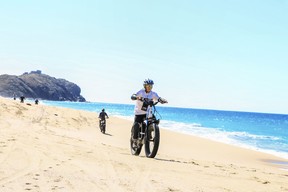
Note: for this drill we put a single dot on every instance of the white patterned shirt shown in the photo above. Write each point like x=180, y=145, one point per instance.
x=140, y=109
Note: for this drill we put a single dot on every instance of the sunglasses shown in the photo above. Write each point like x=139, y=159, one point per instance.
x=150, y=86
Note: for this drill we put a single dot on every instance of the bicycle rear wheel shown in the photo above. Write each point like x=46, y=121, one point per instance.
x=104, y=129
x=135, y=147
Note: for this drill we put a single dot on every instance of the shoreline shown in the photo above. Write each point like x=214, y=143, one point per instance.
x=46, y=148
x=243, y=146
x=281, y=155
x=226, y=140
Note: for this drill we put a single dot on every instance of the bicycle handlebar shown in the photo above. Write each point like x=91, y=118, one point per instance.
x=149, y=101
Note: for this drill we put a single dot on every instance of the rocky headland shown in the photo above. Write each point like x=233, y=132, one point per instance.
x=37, y=85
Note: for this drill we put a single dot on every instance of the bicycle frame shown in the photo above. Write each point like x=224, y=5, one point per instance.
x=150, y=117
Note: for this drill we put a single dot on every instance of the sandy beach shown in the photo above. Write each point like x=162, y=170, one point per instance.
x=44, y=148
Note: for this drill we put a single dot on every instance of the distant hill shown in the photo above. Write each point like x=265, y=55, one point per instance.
x=40, y=86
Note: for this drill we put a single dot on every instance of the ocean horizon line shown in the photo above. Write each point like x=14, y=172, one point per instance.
x=195, y=108
x=178, y=107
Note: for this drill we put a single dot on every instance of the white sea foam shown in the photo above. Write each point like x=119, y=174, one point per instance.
x=240, y=139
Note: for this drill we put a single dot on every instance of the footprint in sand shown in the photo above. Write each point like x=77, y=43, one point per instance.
x=36, y=176
x=55, y=188
x=28, y=184
x=57, y=180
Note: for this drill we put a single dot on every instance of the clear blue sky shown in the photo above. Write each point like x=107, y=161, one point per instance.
x=229, y=55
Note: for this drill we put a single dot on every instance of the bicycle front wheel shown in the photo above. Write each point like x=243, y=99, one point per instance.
x=152, y=140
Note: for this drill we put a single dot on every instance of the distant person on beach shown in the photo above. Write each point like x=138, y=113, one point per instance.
x=36, y=102
x=14, y=96
x=102, y=116
x=140, y=109
x=22, y=98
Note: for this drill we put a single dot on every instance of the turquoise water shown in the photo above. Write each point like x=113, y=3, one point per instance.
x=258, y=131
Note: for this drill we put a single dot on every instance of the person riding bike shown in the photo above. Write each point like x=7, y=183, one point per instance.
x=141, y=106
x=102, y=116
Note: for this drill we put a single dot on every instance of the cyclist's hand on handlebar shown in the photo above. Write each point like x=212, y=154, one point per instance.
x=162, y=100
x=134, y=97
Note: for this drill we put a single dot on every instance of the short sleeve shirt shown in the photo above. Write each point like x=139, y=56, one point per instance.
x=139, y=108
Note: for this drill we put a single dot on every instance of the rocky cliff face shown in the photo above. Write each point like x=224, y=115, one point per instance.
x=41, y=86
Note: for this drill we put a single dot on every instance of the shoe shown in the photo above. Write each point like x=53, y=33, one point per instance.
x=134, y=145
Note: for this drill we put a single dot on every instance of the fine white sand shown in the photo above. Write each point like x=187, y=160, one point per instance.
x=45, y=148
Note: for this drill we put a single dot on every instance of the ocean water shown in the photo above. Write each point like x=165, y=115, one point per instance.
x=257, y=131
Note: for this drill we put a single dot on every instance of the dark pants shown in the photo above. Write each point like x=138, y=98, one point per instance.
x=136, y=126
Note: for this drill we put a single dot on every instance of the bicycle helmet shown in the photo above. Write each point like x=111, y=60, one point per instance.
x=148, y=82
